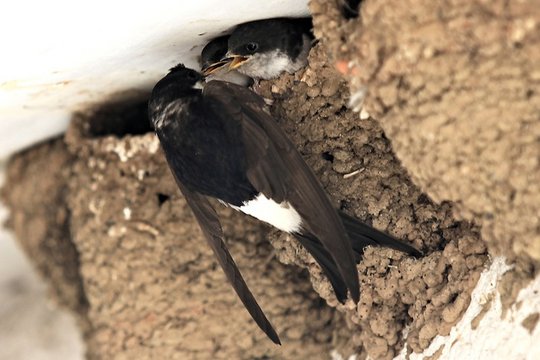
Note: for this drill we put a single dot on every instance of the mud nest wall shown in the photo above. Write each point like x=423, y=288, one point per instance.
x=154, y=289
x=356, y=164
x=443, y=162
x=454, y=85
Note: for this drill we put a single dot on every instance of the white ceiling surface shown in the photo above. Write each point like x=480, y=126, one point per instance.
x=59, y=56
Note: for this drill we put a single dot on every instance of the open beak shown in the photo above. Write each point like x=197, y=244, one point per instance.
x=237, y=60
x=215, y=66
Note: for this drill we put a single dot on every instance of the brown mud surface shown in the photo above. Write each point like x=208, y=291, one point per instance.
x=356, y=164
x=138, y=272
x=35, y=192
x=454, y=85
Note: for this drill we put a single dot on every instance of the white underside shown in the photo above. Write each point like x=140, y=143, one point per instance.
x=272, y=64
x=282, y=216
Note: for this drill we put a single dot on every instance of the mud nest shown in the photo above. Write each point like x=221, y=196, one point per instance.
x=439, y=157
x=454, y=85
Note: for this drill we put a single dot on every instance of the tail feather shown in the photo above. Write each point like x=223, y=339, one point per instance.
x=326, y=262
x=362, y=235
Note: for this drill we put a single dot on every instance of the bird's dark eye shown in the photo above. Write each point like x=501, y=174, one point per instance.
x=252, y=47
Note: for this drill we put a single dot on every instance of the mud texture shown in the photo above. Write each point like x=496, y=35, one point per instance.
x=356, y=164
x=155, y=290
x=35, y=192
x=454, y=86
x=530, y=322
x=154, y=287
x=449, y=153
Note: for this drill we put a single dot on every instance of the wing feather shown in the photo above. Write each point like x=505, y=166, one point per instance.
x=212, y=231
x=276, y=169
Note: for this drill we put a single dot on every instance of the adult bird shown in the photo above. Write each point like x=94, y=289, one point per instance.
x=221, y=142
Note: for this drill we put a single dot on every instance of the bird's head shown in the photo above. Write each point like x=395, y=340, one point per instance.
x=179, y=83
x=185, y=77
x=265, y=48
x=254, y=44
x=212, y=55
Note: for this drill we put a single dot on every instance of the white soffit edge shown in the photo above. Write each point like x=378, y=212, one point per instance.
x=59, y=56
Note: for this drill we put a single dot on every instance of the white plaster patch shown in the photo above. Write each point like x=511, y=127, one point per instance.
x=496, y=337
x=81, y=64
x=130, y=147
x=141, y=174
x=282, y=216
x=357, y=99
x=127, y=213
x=364, y=115
x=335, y=355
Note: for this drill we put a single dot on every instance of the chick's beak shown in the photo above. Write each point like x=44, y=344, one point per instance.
x=237, y=60
x=214, y=67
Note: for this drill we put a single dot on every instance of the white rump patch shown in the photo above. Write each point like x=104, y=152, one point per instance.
x=282, y=216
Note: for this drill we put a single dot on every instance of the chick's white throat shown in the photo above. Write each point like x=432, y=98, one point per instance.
x=271, y=64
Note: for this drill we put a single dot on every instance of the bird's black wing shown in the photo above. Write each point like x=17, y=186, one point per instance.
x=276, y=169
x=209, y=223
x=362, y=235
x=328, y=266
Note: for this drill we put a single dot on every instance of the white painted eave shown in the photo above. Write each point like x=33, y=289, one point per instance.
x=60, y=56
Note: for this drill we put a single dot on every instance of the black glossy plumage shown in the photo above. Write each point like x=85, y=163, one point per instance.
x=214, y=51
x=277, y=170
x=170, y=107
x=223, y=143
x=270, y=34
x=208, y=151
